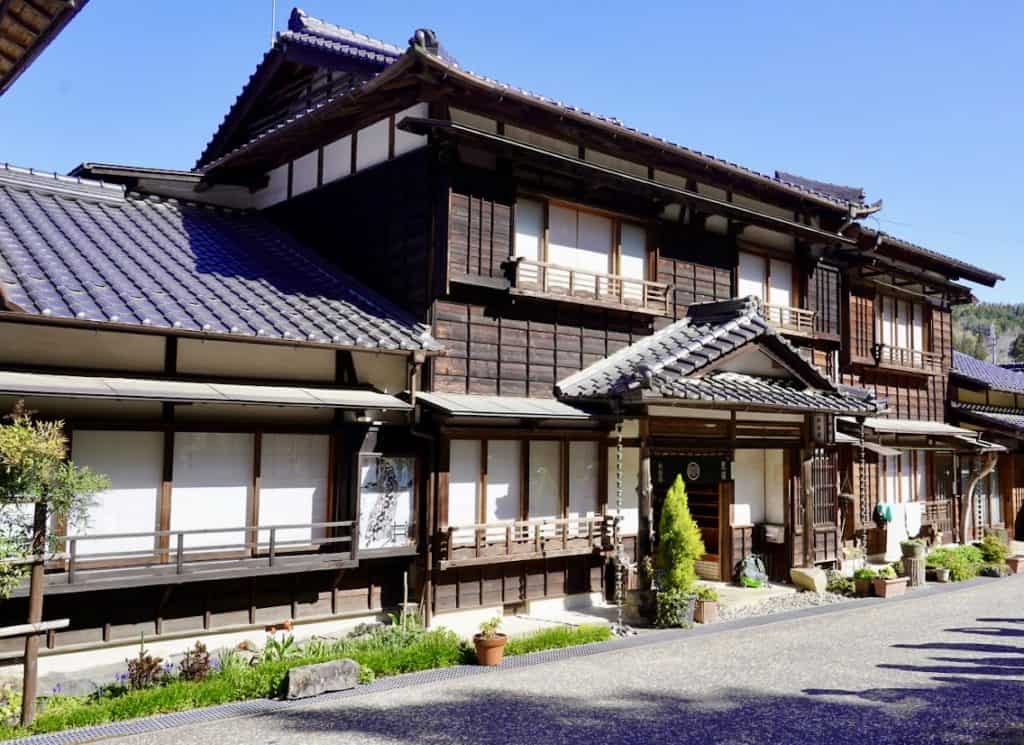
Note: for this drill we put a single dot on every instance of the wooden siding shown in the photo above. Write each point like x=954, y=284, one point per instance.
x=698, y=266
x=120, y=616
x=508, y=584
x=376, y=225
x=823, y=286
x=860, y=333
x=523, y=349
x=479, y=236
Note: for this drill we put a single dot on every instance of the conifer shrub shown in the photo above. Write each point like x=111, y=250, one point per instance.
x=680, y=546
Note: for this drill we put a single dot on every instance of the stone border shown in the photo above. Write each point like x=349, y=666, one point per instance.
x=256, y=707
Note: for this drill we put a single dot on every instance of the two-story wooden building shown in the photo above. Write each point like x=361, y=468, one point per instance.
x=605, y=310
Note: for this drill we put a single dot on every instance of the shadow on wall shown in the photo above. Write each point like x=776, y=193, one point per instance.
x=951, y=707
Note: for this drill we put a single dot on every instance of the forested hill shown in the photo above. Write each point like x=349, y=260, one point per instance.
x=974, y=325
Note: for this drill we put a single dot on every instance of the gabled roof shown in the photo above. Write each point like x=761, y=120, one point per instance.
x=312, y=43
x=84, y=250
x=986, y=374
x=328, y=36
x=679, y=362
x=26, y=29
x=852, y=194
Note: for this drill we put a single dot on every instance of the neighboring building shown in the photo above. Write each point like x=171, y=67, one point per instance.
x=608, y=308
x=990, y=399
x=26, y=28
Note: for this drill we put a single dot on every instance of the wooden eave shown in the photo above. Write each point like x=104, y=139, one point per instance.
x=496, y=100
x=23, y=37
x=592, y=172
x=394, y=89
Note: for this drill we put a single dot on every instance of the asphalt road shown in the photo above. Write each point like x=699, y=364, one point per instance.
x=942, y=669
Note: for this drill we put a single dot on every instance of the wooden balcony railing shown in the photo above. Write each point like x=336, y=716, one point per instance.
x=173, y=556
x=793, y=320
x=552, y=280
x=888, y=355
x=494, y=543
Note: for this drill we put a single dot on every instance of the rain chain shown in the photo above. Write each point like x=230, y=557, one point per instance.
x=620, y=554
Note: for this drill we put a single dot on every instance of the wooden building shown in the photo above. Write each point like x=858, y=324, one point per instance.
x=989, y=399
x=575, y=312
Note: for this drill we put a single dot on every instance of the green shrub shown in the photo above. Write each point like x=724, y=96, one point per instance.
x=746, y=581
x=680, y=545
x=557, y=638
x=886, y=572
x=993, y=550
x=865, y=573
x=839, y=584
x=704, y=592
x=963, y=562
x=675, y=609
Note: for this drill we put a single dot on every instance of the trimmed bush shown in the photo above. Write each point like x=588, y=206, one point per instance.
x=993, y=550
x=963, y=562
x=680, y=545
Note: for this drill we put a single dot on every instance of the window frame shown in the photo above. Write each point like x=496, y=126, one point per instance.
x=897, y=318
x=614, y=265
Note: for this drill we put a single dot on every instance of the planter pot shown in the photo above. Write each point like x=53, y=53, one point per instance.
x=889, y=588
x=1015, y=564
x=938, y=574
x=490, y=651
x=863, y=587
x=706, y=611
x=912, y=550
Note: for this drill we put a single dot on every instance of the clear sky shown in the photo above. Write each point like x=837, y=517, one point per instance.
x=919, y=102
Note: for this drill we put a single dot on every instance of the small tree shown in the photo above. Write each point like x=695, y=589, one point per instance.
x=680, y=544
x=35, y=473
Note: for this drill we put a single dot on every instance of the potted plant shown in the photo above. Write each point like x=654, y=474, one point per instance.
x=641, y=604
x=862, y=579
x=887, y=584
x=1015, y=564
x=679, y=548
x=490, y=645
x=707, y=605
x=913, y=548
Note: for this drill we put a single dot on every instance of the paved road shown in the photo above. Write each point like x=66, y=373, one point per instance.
x=948, y=668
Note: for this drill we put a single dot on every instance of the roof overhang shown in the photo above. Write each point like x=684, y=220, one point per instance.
x=459, y=133
x=26, y=29
x=652, y=399
x=502, y=407
x=44, y=385
x=913, y=434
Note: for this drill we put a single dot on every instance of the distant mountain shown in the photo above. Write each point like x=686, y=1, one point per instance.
x=975, y=327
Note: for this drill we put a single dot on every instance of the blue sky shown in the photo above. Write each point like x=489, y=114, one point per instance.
x=919, y=103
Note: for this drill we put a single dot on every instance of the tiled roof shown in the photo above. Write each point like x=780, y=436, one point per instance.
x=987, y=374
x=71, y=248
x=852, y=194
x=963, y=268
x=333, y=38
x=998, y=415
x=26, y=29
x=669, y=362
x=737, y=388
x=306, y=31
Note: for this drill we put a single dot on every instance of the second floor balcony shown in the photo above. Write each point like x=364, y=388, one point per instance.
x=590, y=288
x=788, y=320
x=905, y=358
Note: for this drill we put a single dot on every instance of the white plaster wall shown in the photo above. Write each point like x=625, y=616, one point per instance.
x=31, y=344
x=255, y=361
x=304, y=173
x=338, y=159
x=276, y=189
x=372, y=144
x=385, y=372
x=407, y=141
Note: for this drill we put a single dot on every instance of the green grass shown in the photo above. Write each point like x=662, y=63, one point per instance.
x=557, y=638
x=380, y=652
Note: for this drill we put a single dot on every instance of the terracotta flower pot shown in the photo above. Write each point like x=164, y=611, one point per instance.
x=863, y=587
x=490, y=651
x=706, y=611
x=889, y=588
x=1015, y=564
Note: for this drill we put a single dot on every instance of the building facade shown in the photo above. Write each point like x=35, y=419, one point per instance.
x=512, y=323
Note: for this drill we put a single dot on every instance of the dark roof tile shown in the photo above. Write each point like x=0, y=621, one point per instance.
x=993, y=376
x=76, y=249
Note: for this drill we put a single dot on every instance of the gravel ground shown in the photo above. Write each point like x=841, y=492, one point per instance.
x=771, y=605
x=941, y=667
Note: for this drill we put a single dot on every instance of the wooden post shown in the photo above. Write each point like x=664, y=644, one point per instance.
x=806, y=485
x=35, y=616
x=914, y=569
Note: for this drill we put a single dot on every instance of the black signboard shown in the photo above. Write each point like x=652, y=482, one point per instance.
x=699, y=470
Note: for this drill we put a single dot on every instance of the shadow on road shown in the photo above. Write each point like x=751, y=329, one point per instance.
x=954, y=706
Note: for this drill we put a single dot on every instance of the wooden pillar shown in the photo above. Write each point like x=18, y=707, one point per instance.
x=645, y=537
x=35, y=615
x=807, y=489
